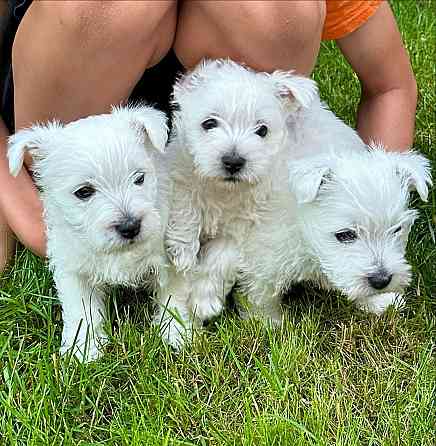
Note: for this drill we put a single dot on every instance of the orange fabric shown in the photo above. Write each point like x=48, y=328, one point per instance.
x=345, y=16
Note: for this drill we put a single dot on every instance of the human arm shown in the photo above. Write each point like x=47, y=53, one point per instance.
x=20, y=208
x=389, y=93
x=19, y=202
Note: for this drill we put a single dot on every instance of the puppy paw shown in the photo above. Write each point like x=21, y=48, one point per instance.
x=84, y=348
x=174, y=332
x=207, y=308
x=272, y=319
x=84, y=351
x=182, y=257
x=379, y=303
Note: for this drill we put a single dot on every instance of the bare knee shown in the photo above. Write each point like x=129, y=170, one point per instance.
x=99, y=49
x=285, y=22
x=110, y=25
x=264, y=34
x=303, y=24
x=292, y=31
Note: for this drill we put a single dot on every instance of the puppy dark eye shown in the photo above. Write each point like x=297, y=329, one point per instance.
x=209, y=124
x=139, y=179
x=85, y=192
x=262, y=131
x=397, y=230
x=346, y=236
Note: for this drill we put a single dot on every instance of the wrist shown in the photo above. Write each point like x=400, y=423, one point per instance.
x=388, y=117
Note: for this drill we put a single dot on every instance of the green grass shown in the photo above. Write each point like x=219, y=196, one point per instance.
x=331, y=376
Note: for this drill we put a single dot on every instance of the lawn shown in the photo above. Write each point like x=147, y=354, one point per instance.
x=331, y=376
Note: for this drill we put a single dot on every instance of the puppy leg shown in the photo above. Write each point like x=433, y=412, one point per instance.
x=182, y=238
x=379, y=303
x=172, y=313
x=262, y=301
x=83, y=312
x=213, y=278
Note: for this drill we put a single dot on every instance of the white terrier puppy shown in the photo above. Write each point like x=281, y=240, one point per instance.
x=344, y=225
x=103, y=190
x=229, y=139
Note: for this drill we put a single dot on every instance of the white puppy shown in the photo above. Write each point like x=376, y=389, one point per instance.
x=229, y=139
x=343, y=225
x=102, y=187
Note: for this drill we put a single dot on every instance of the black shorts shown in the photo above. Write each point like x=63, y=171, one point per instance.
x=154, y=87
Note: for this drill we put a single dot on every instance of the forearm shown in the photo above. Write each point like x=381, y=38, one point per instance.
x=389, y=117
x=19, y=202
x=377, y=54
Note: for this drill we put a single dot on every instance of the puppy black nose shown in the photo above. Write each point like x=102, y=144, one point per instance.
x=380, y=280
x=129, y=228
x=233, y=163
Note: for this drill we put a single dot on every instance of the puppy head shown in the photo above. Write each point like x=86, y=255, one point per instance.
x=355, y=216
x=97, y=174
x=232, y=119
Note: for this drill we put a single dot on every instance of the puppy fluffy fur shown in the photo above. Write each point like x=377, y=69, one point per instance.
x=230, y=134
x=103, y=188
x=343, y=224
x=279, y=219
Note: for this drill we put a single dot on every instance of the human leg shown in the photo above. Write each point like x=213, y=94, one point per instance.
x=85, y=56
x=266, y=35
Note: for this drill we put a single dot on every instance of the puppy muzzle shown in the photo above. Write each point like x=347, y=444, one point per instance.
x=129, y=228
x=233, y=163
x=380, y=279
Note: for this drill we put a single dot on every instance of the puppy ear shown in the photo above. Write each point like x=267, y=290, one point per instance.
x=296, y=91
x=306, y=178
x=191, y=80
x=146, y=119
x=35, y=140
x=413, y=168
